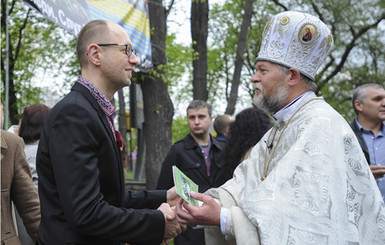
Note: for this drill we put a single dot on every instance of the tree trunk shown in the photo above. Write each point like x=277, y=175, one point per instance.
x=158, y=108
x=12, y=54
x=248, y=9
x=199, y=29
x=123, y=127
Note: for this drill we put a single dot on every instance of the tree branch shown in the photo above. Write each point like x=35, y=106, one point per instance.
x=18, y=46
x=349, y=48
x=316, y=9
x=281, y=5
x=169, y=7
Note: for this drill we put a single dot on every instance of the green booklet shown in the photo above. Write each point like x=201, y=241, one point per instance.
x=184, y=185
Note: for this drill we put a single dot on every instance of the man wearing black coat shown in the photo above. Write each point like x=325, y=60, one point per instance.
x=81, y=181
x=199, y=156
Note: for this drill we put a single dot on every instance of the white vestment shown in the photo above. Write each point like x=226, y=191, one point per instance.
x=318, y=190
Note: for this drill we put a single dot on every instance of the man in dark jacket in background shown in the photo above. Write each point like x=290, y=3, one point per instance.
x=199, y=156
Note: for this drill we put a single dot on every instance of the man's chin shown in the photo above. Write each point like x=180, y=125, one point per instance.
x=127, y=83
x=197, y=134
x=258, y=102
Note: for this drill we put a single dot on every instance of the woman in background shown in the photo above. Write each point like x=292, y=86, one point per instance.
x=245, y=132
x=31, y=124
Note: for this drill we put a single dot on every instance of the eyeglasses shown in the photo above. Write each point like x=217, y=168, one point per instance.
x=129, y=50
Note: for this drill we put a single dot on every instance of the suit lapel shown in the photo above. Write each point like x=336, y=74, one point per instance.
x=87, y=94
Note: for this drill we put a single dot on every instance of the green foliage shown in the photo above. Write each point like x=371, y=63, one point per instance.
x=129, y=175
x=43, y=48
x=339, y=93
x=179, y=128
x=46, y=49
x=178, y=69
x=224, y=26
x=365, y=60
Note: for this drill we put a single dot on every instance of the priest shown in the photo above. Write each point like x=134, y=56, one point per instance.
x=307, y=180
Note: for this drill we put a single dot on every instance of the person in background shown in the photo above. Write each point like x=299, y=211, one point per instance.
x=222, y=126
x=79, y=163
x=199, y=156
x=16, y=187
x=134, y=153
x=369, y=105
x=29, y=129
x=306, y=181
x=245, y=132
x=31, y=124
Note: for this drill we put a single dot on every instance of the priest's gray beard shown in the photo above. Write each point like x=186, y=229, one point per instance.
x=272, y=103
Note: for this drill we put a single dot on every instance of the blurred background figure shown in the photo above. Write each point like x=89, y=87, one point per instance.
x=31, y=124
x=134, y=153
x=245, y=132
x=16, y=188
x=29, y=128
x=222, y=125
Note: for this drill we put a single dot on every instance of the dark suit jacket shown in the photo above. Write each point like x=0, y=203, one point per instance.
x=361, y=140
x=81, y=181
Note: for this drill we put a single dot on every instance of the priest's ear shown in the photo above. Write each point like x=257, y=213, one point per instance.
x=295, y=76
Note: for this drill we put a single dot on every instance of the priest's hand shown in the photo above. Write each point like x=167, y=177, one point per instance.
x=378, y=171
x=207, y=214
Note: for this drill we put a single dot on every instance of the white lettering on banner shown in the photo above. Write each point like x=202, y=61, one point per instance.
x=67, y=22
x=46, y=9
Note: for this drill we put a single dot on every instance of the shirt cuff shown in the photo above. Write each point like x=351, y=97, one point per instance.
x=223, y=218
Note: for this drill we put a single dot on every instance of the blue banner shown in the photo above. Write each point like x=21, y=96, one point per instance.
x=132, y=15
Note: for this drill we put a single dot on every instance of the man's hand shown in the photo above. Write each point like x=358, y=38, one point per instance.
x=208, y=214
x=172, y=196
x=172, y=227
x=378, y=171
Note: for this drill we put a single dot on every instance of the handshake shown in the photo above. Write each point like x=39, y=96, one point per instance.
x=178, y=213
x=172, y=227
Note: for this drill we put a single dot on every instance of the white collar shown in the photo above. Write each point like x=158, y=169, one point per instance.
x=285, y=113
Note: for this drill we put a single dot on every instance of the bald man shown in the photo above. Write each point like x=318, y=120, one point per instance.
x=81, y=181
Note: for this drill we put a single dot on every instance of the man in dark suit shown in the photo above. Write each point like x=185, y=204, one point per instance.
x=81, y=181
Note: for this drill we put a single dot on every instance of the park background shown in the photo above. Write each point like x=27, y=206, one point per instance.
x=200, y=50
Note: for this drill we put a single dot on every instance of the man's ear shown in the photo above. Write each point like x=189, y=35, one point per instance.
x=295, y=76
x=358, y=105
x=227, y=130
x=93, y=53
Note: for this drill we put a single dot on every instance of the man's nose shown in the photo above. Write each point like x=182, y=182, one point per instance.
x=133, y=59
x=254, y=78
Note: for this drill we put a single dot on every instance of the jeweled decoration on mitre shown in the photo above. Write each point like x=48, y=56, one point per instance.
x=298, y=40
